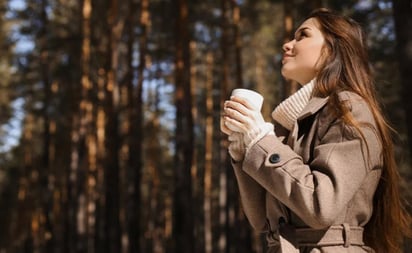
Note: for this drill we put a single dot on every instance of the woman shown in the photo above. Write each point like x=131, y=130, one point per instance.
x=325, y=180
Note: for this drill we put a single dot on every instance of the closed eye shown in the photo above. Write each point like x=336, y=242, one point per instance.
x=301, y=33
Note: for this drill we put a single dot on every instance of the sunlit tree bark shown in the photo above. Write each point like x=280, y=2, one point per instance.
x=83, y=139
x=225, y=47
x=207, y=178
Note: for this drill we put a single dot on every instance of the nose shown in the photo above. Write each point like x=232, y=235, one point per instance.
x=288, y=45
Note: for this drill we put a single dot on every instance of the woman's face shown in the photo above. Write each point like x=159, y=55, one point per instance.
x=302, y=55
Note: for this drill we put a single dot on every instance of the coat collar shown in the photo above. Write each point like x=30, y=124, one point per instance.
x=313, y=106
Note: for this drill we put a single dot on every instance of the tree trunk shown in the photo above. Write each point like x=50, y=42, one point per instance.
x=83, y=138
x=22, y=227
x=207, y=203
x=239, y=233
x=69, y=207
x=135, y=161
x=238, y=42
x=183, y=215
x=46, y=195
x=289, y=86
x=402, y=11
x=224, y=88
x=116, y=24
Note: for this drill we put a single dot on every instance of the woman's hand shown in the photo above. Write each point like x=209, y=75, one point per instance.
x=236, y=147
x=223, y=126
x=242, y=118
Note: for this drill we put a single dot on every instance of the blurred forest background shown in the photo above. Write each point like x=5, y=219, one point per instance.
x=109, y=138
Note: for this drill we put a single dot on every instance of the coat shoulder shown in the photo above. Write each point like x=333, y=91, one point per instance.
x=358, y=108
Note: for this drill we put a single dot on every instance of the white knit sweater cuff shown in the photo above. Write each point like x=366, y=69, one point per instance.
x=266, y=129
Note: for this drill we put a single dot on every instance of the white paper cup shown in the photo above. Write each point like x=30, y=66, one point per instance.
x=254, y=98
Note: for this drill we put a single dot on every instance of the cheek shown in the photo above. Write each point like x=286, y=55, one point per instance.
x=323, y=55
x=307, y=61
x=313, y=58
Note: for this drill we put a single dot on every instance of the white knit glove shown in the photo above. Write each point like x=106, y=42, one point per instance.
x=236, y=147
x=242, y=118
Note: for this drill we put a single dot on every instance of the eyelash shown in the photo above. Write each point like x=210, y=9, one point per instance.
x=301, y=35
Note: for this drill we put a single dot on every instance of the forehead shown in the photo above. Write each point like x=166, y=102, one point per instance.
x=310, y=23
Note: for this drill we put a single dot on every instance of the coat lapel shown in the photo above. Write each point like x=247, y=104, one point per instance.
x=313, y=106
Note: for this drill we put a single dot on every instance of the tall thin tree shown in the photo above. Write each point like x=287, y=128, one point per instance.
x=45, y=172
x=289, y=86
x=136, y=119
x=183, y=213
x=402, y=11
x=83, y=163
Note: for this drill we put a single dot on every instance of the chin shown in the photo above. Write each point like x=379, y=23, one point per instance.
x=286, y=74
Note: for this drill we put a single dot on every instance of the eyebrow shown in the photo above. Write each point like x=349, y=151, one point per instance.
x=302, y=29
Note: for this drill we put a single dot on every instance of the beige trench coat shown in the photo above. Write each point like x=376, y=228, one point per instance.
x=320, y=176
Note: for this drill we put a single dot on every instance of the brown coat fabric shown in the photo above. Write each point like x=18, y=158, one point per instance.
x=320, y=174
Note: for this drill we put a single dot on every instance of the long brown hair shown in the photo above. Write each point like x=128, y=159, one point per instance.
x=347, y=67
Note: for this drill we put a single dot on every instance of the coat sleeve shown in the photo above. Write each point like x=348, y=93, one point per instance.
x=318, y=191
x=252, y=196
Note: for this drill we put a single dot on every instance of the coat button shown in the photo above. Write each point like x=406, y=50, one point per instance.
x=274, y=158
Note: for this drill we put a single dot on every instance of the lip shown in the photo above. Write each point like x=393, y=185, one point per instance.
x=286, y=56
